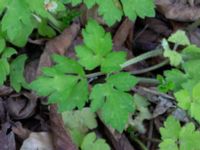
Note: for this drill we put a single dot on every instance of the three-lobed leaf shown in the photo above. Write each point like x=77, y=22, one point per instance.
x=172, y=133
x=97, y=50
x=112, y=98
x=64, y=83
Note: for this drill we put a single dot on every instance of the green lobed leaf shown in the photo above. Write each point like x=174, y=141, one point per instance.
x=113, y=61
x=113, y=10
x=191, y=52
x=189, y=137
x=110, y=11
x=64, y=83
x=176, y=77
x=110, y=98
x=96, y=50
x=191, y=67
x=17, y=79
x=141, y=8
x=174, y=57
x=91, y=142
x=168, y=144
x=171, y=129
x=123, y=81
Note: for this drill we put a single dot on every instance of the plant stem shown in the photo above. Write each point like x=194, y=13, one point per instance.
x=142, y=57
x=140, y=143
x=163, y=63
x=96, y=74
x=193, y=26
x=148, y=80
x=58, y=25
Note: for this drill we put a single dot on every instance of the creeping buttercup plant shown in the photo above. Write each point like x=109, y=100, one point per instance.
x=68, y=83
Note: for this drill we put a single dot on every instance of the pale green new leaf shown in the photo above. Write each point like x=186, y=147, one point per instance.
x=174, y=57
x=64, y=83
x=91, y=142
x=78, y=122
x=141, y=8
x=179, y=37
x=17, y=79
x=81, y=120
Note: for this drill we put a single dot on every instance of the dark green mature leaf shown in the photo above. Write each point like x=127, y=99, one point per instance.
x=64, y=83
